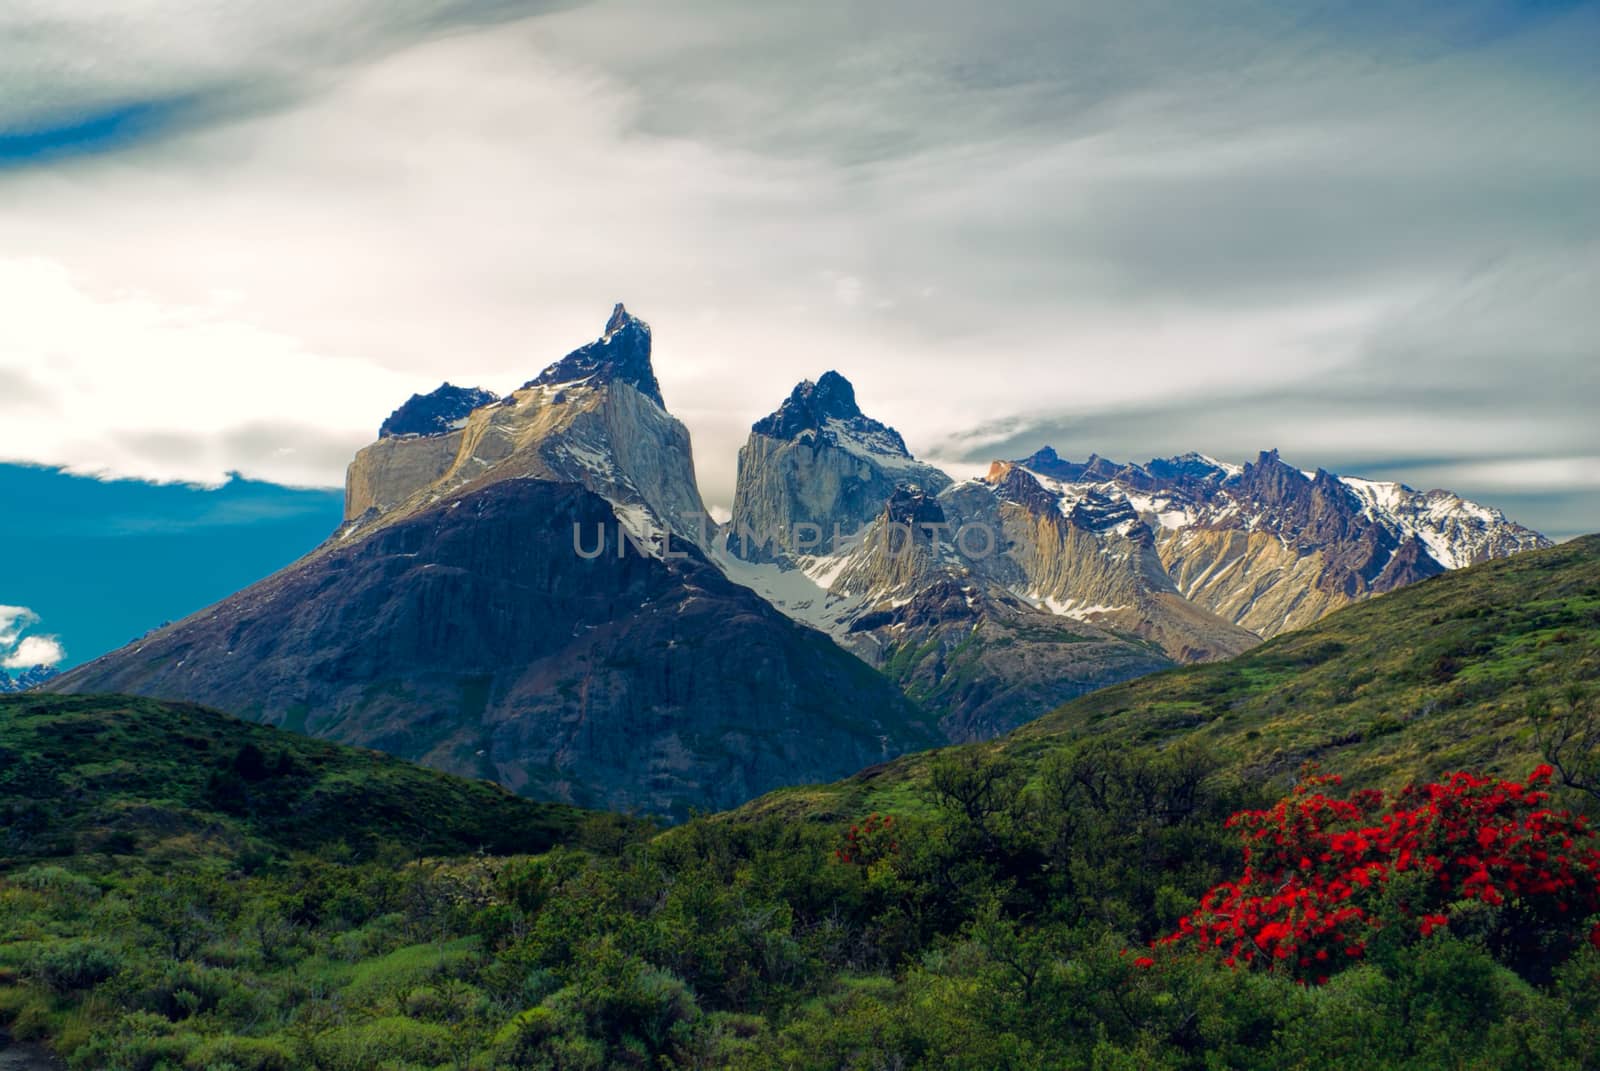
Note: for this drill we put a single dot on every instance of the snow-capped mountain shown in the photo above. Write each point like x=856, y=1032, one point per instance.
x=480, y=607
x=32, y=677
x=1270, y=547
x=1087, y=554
x=1190, y=557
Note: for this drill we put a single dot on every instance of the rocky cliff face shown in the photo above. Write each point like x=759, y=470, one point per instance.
x=817, y=470
x=594, y=418
x=1092, y=558
x=1271, y=548
x=506, y=605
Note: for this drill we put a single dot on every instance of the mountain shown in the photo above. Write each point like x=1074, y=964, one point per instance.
x=1441, y=675
x=837, y=524
x=524, y=598
x=1271, y=548
x=28, y=678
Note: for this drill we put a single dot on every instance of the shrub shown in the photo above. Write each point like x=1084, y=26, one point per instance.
x=57, y=882
x=74, y=965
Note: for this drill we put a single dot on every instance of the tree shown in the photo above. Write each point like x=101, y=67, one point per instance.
x=1568, y=734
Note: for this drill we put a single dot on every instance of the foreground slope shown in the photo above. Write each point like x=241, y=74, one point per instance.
x=122, y=776
x=1438, y=676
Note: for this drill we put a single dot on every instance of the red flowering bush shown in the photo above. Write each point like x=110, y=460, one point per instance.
x=868, y=842
x=1317, y=869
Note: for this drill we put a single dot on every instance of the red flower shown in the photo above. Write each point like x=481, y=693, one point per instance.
x=1316, y=865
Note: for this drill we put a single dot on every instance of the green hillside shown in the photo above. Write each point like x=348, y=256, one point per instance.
x=114, y=775
x=1437, y=676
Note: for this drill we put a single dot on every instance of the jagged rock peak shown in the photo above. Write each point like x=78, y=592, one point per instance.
x=1270, y=477
x=435, y=413
x=621, y=355
x=821, y=405
x=1046, y=462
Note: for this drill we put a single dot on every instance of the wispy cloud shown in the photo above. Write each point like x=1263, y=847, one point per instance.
x=18, y=651
x=1135, y=228
x=13, y=619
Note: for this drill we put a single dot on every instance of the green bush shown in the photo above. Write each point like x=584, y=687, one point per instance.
x=73, y=965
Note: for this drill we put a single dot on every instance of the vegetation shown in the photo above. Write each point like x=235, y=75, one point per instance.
x=181, y=890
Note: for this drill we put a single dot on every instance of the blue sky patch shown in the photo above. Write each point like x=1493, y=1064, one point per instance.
x=105, y=130
x=101, y=562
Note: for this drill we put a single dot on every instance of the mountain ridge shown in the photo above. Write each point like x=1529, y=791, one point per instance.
x=526, y=588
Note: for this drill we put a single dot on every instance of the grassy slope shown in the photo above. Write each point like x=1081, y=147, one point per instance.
x=1434, y=677
x=120, y=775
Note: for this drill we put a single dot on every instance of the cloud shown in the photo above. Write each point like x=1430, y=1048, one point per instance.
x=97, y=75
x=34, y=651
x=24, y=652
x=13, y=620
x=1135, y=229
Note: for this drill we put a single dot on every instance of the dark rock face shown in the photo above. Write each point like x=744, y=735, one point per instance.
x=1015, y=485
x=435, y=413
x=1187, y=469
x=622, y=354
x=811, y=406
x=1096, y=512
x=914, y=508
x=475, y=638
x=1047, y=462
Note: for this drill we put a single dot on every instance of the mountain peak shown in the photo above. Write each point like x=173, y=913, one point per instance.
x=812, y=406
x=621, y=320
x=621, y=354
x=834, y=396
x=437, y=412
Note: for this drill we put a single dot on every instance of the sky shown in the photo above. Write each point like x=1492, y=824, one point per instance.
x=235, y=235
x=93, y=564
